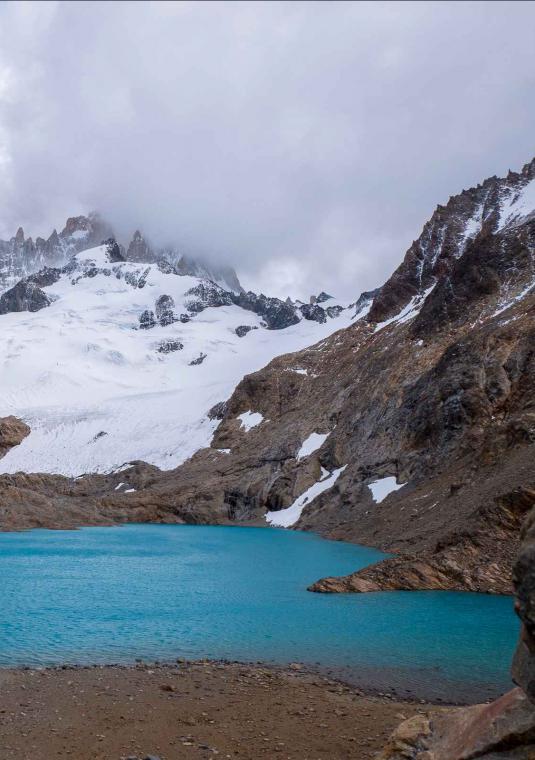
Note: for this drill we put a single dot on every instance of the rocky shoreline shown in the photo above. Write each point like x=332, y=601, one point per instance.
x=192, y=709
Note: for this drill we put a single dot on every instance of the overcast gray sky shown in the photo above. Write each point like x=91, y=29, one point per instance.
x=304, y=143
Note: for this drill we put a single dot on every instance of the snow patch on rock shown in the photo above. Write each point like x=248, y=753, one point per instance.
x=311, y=444
x=408, y=312
x=381, y=488
x=250, y=420
x=517, y=205
x=285, y=518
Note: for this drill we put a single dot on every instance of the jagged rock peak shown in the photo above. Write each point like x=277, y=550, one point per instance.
x=494, y=205
x=76, y=224
x=20, y=257
x=138, y=250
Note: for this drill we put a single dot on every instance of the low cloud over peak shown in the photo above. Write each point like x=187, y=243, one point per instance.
x=305, y=144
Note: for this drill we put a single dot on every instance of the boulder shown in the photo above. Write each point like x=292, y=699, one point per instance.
x=12, y=432
x=501, y=730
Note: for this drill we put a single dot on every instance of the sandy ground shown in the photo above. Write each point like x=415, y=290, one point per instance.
x=190, y=710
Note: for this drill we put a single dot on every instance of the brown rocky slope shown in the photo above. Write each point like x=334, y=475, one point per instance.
x=442, y=398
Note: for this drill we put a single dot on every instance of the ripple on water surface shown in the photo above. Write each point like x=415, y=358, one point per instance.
x=166, y=591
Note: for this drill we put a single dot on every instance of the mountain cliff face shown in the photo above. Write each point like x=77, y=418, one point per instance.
x=495, y=205
x=406, y=422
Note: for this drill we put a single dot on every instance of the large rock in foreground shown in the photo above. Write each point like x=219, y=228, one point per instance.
x=502, y=730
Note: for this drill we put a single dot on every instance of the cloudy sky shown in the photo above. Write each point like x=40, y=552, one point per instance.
x=304, y=143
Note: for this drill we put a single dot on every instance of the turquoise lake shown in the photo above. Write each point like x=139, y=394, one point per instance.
x=160, y=592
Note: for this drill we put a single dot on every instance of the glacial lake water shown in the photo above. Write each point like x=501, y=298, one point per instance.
x=160, y=592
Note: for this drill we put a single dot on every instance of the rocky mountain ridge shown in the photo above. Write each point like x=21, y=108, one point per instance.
x=496, y=204
x=21, y=257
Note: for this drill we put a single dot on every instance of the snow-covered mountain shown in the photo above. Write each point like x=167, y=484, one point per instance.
x=20, y=256
x=109, y=360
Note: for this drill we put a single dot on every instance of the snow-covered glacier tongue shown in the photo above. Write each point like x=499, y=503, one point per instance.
x=109, y=360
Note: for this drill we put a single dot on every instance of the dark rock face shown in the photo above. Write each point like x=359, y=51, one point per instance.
x=147, y=320
x=24, y=296
x=12, y=432
x=364, y=300
x=137, y=279
x=242, y=330
x=524, y=582
x=165, y=267
x=313, y=312
x=46, y=277
x=169, y=346
x=444, y=240
x=165, y=310
x=218, y=411
x=207, y=294
x=333, y=311
x=115, y=254
x=276, y=314
x=489, y=263
x=198, y=360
